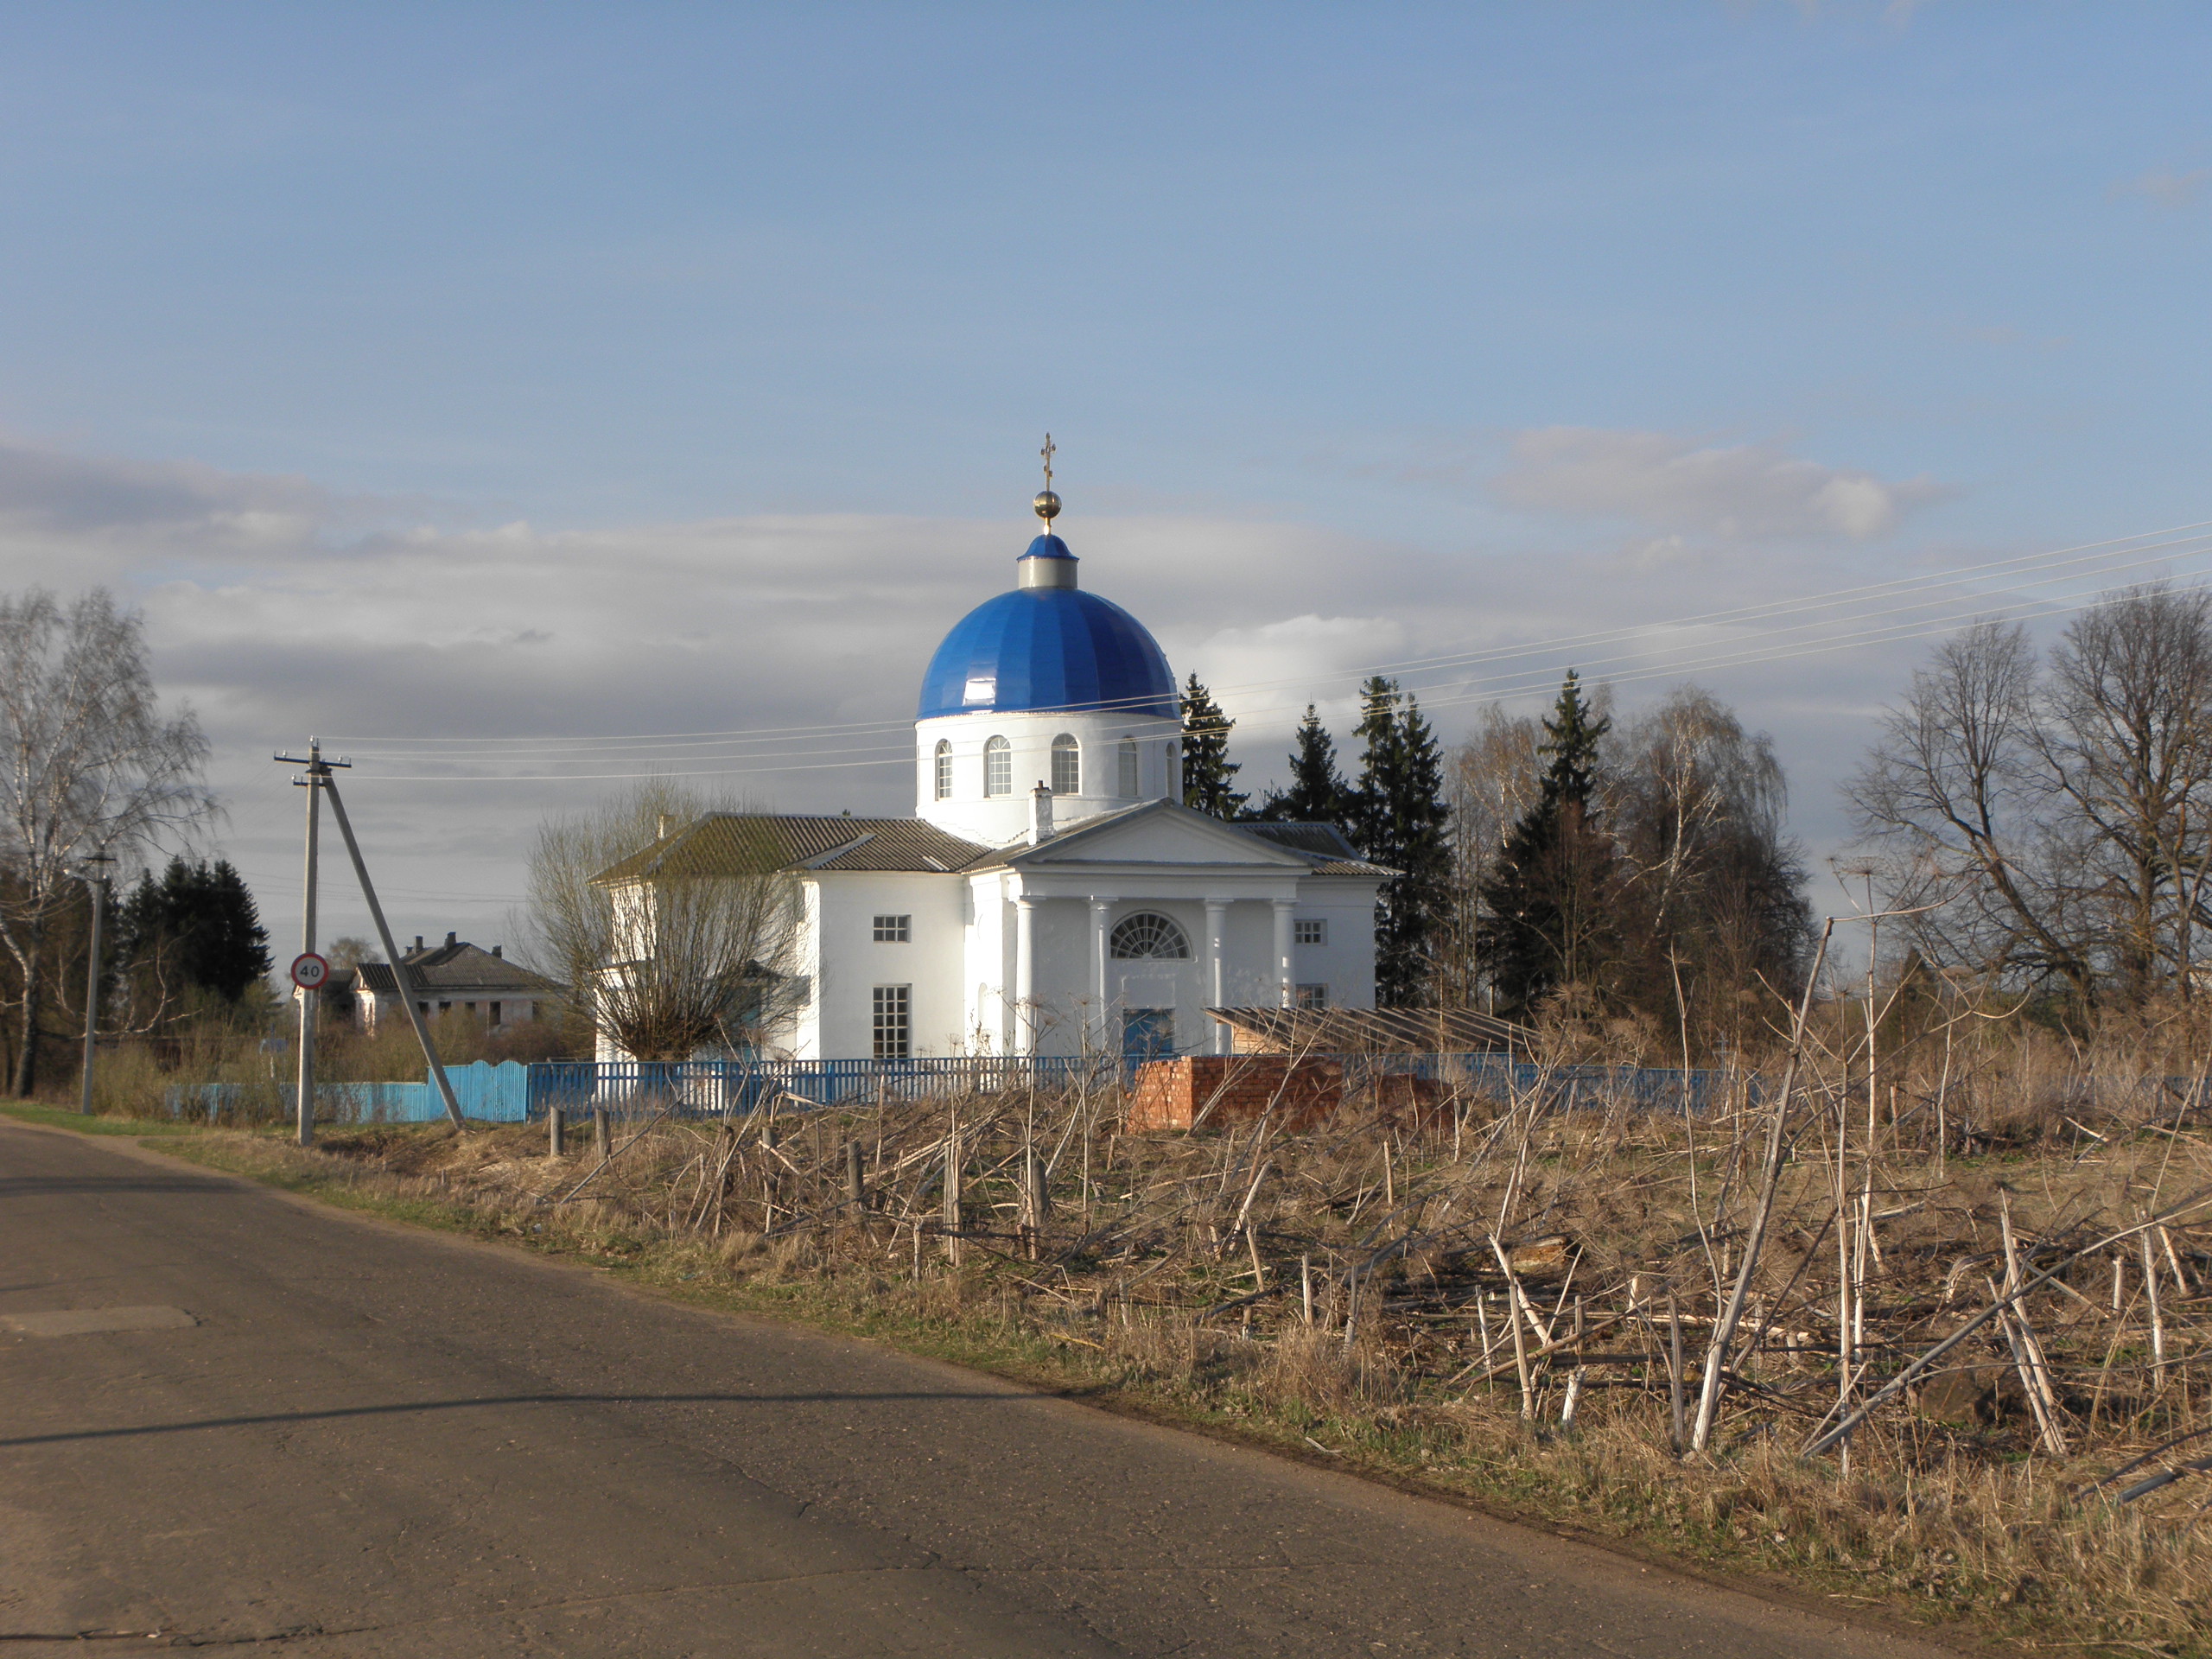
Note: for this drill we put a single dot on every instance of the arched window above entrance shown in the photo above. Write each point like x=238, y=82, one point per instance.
x=1067, y=765
x=1148, y=936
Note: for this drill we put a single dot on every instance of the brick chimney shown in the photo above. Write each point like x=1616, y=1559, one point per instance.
x=1040, y=815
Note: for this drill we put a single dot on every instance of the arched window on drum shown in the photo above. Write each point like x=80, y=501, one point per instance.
x=1067, y=765
x=943, y=762
x=998, y=767
x=1131, y=787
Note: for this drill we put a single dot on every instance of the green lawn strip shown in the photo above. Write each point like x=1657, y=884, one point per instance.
x=1659, y=1528
x=67, y=1117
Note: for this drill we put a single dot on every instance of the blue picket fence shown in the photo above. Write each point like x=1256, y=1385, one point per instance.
x=724, y=1088
x=492, y=1094
x=514, y=1093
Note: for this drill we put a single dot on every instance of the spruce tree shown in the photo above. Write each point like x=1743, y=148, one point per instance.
x=1209, y=775
x=1317, y=792
x=1365, y=818
x=1547, y=905
x=1397, y=819
x=201, y=920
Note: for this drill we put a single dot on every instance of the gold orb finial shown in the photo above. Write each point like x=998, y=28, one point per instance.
x=1047, y=504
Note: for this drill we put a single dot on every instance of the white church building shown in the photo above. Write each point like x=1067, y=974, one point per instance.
x=1050, y=894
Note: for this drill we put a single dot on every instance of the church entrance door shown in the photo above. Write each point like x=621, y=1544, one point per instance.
x=1148, y=1033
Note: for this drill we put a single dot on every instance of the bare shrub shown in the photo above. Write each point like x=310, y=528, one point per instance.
x=1359, y=1282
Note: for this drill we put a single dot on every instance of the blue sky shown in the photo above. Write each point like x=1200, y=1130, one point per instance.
x=499, y=371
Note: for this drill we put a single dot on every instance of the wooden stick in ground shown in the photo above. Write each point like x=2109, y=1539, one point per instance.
x=1574, y=1377
x=1535, y=1356
x=2181, y=1279
x=1919, y=1367
x=1724, y=1329
x=1675, y=1370
x=2158, y=1315
x=952, y=1195
x=2039, y=1368
x=2046, y=1422
x=1519, y=1341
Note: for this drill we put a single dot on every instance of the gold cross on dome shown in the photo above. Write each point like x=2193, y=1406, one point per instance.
x=1048, y=453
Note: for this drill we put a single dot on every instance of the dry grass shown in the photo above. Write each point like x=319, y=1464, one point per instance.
x=1178, y=1269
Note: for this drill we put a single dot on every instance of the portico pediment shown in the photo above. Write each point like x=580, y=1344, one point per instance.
x=1161, y=832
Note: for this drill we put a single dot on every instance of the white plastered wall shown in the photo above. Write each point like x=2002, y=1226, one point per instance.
x=1346, y=962
x=849, y=962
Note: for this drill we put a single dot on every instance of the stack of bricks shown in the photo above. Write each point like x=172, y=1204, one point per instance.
x=1224, y=1090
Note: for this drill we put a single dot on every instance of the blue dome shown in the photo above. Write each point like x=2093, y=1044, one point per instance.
x=1049, y=648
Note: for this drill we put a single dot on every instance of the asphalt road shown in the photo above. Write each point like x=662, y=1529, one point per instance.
x=369, y=1439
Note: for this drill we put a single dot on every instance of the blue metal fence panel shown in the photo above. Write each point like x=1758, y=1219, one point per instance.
x=720, y=1087
x=488, y=1093
x=513, y=1093
x=723, y=1087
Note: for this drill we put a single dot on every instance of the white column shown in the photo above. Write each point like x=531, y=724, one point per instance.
x=1283, y=907
x=1025, y=974
x=1217, y=909
x=1102, y=1025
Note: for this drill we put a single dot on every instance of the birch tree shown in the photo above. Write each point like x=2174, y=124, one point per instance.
x=91, y=766
x=673, y=921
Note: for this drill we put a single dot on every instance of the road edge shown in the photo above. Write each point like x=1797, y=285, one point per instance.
x=1110, y=1402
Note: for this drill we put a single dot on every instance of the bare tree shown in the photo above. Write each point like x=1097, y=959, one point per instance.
x=91, y=766
x=2125, y=737
x=673, y=919
x=1953, y=796
x=2065, y=813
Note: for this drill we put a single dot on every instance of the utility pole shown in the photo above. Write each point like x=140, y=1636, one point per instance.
x=96, y=885
x=307, y=984
x=391, y=950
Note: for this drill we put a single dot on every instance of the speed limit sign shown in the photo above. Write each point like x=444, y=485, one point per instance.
x=309, y=971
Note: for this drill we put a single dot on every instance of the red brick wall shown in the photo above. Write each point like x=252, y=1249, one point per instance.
x=1233, y=1088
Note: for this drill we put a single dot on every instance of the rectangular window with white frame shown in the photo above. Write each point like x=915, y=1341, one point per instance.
x=1309, y=932
x=1313, y=996
x=894, y=930
x=894, y=1028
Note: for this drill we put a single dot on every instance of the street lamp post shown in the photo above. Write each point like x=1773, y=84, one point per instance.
x=96, y=885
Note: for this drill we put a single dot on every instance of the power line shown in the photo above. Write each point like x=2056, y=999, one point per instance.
x=2094, y=553
x=1745, y=650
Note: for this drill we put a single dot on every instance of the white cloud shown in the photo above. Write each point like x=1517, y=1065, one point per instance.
x=2166, y=188
x=1676, y=485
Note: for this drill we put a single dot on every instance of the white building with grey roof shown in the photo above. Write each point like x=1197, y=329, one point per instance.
x=455, y=975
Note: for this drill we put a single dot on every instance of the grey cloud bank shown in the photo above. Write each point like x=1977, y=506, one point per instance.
x=536, y=647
